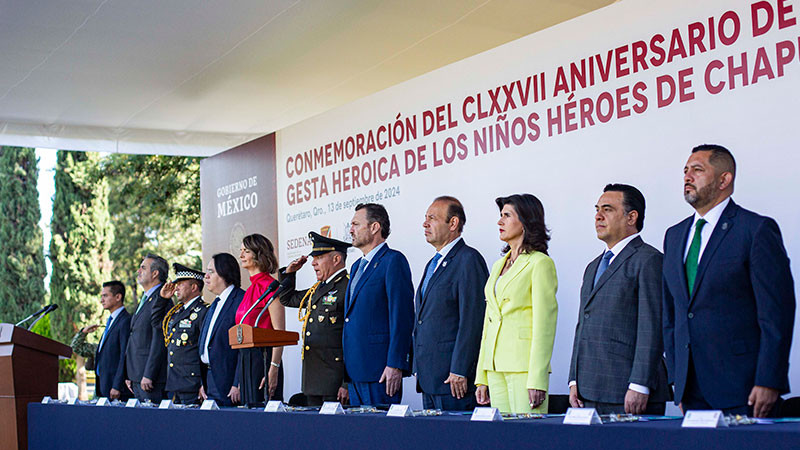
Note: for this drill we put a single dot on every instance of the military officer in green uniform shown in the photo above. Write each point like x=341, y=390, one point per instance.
x=321, y=310
x=181, y=327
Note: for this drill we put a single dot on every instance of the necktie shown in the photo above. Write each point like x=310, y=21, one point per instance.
x=361, y=265
x=429, y=271
x=603, y=266
x=206, y=331
x=693, y=255
x=105, y=333
x=141, y=303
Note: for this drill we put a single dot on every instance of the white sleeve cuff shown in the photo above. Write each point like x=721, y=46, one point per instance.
x=639, y=388
x=573, y=383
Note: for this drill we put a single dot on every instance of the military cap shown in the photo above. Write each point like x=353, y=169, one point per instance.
x=184, y=273
x=324, y=244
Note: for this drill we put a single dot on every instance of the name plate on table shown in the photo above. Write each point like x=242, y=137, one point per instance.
x=132, y=403
x=704, y=419
x=275, y=406
x=331, y=408
x=47, y=399
x=102, y=401
x=399, y=411
x=483, y=414
x=165, y=404
x=209, y=405
x=582, y=416
x=73, y=401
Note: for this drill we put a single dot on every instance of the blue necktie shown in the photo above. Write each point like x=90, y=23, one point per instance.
x=206, y=325
x=361, y=265
x=105, y=333
x=603, y=266
x=429, y=272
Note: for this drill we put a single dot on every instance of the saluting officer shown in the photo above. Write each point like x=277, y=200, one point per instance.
x=321, y=310
x=182, y=326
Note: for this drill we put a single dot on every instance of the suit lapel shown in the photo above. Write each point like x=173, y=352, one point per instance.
x=720, y=231
x=517, y=268
x=627, y=252
x=440, y=270
x=588, y=280
x=677, y=256
x=371, y=267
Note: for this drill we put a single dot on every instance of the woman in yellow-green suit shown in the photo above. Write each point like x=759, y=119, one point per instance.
x=520, y=322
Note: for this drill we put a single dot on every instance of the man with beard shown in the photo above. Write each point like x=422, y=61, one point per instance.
x=728, y=297
x=145, y=356
x=379, y=313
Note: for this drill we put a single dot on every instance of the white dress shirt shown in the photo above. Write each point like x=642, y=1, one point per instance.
x=223, y=296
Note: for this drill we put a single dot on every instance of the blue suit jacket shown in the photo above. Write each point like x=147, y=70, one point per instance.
x=223, y=360
x=447, y=334
x=110, y=360
x=737, y=326
x=379, y=318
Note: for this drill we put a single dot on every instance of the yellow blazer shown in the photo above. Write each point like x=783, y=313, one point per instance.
x=519, y=326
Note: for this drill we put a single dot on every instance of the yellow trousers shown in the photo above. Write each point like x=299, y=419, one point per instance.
x=509, y=393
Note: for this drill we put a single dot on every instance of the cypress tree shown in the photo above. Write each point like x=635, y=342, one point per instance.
x=22, y=268
x=81, y=238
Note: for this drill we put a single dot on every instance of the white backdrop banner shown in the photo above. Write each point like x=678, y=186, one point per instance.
x=619, y=95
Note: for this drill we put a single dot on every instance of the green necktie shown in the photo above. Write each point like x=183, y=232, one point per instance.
x=692, y=257
x=141, y=303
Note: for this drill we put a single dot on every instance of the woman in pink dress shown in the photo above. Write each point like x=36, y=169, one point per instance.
x=257, y=256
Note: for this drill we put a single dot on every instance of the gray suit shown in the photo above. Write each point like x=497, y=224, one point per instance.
x=618, y=338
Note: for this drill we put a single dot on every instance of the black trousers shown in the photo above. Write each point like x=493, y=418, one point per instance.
x=252, y=364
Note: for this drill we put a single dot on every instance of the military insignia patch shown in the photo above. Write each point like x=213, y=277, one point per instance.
x=329, y=299
x=332, y=319
x=185, y=323
x=184, y=336
x=193, y=316
x=321, y=318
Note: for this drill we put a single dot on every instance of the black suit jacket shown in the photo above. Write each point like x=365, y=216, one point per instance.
x=447, y=332
x=618, y=337
x=737, y=326
x=223, y=360
x=146, y=355
x=110, y=359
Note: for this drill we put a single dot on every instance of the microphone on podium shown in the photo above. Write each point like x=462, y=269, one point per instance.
x=270, y=289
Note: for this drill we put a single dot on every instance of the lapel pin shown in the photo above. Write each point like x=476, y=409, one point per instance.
x=725, y=226
x=444, y=264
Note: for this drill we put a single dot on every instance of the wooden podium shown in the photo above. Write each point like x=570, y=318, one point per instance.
x=245, y=336
x=28, y=372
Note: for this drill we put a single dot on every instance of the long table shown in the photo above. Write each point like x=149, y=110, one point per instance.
x=58, y=426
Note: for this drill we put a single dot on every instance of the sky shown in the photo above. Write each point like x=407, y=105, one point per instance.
x=47, y=189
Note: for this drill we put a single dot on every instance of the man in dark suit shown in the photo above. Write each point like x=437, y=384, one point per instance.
x=220, y=361
x=146, y=355
x=617, y=361
x=729, y=299
x=450, y=307
x=321, y=310
x=109, y=354
x=379, y=313
x=182, y=326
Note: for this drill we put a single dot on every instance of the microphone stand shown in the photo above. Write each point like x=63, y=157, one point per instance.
x=36, y=314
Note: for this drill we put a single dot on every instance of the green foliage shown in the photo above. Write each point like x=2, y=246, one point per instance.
x=81, y=238
x=66, y=370
x=155, y=208
x=22, y=268
x=42, y=327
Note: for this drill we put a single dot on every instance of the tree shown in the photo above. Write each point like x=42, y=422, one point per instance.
x=155, y=208
x=81, y=238
x=22, y=268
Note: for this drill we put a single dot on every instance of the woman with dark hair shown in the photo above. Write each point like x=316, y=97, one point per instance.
x=519, y=326
x=257, y=256
x=220, y=361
